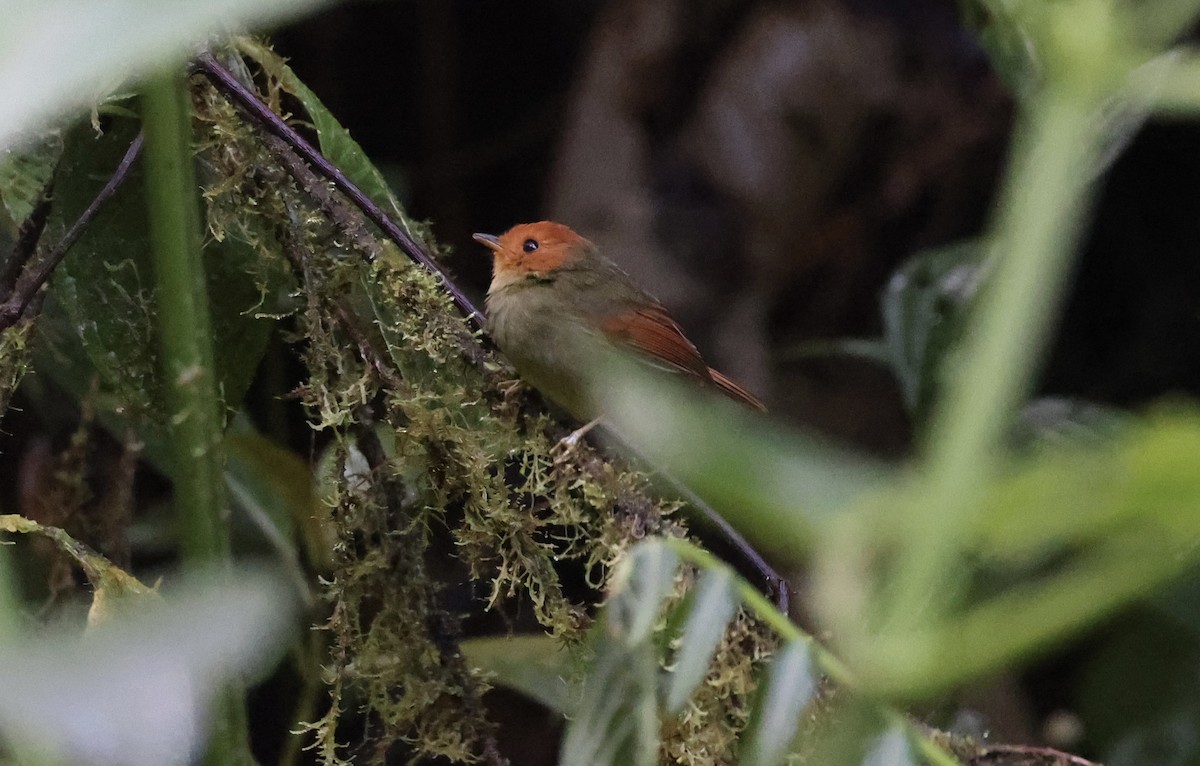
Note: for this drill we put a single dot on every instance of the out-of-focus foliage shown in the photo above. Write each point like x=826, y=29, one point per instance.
x=61, y=54
x=137, y=688
x=970, y=559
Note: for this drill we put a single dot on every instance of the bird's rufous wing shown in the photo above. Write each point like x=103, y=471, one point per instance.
x=653, y=333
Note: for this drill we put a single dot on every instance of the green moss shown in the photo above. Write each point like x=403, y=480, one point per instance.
x=14, y=359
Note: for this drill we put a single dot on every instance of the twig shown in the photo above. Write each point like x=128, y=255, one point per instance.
x=1002, y=754
x=226, y=82
x=31, y=280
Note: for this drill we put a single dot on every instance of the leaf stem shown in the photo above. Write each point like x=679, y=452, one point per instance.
x=1042, y=209
x=186, y=356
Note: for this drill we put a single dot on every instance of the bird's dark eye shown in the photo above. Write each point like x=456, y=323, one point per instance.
x=530, y=245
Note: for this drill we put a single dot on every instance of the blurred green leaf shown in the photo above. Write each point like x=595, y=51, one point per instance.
x=616, y=722
x=137, y=691
x=646, y=576
x=537, y=666
x=1133, y=484
x=24, y=172
x=1066, y=538
x=776, y=486
x=711, y=606
x=892, y=747
x=61, y=55
x=864, y=735
x=789, y=686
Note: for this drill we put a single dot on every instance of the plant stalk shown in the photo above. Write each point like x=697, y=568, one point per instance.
x=1043, y=206
x=186, y=358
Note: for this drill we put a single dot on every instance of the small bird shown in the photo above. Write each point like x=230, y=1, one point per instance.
x=556, y=304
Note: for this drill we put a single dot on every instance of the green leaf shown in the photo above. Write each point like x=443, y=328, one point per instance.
x=62, y=55
x=274, y=490
x=709, y=609
x=24, y=172
x=924, y=306
x=537, y=666
x=616, y=722
x=137, y=690
x=1067, y=538
x=641, y=585
x=790, y=684
x=892, y=747
x=1138, y=478
x=776, y=486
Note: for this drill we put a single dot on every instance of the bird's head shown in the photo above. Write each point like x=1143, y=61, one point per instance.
x=533, y=251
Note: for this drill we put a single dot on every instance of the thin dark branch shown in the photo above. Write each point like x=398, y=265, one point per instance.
x=226, y=82
x=1002, y=754
x=28, y=237
x=32, y=279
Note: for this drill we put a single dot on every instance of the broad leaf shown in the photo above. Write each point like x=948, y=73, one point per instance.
x=640, y=586
x=924, y=306
x=616, y=722
x=335, y=141
x=99, y=321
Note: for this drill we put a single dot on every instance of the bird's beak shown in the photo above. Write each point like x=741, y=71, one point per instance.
x=490, y=241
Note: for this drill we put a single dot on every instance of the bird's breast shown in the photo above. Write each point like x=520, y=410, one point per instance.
x=549, y=344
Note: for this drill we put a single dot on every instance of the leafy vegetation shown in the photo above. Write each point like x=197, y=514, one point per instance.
x=216, y=254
